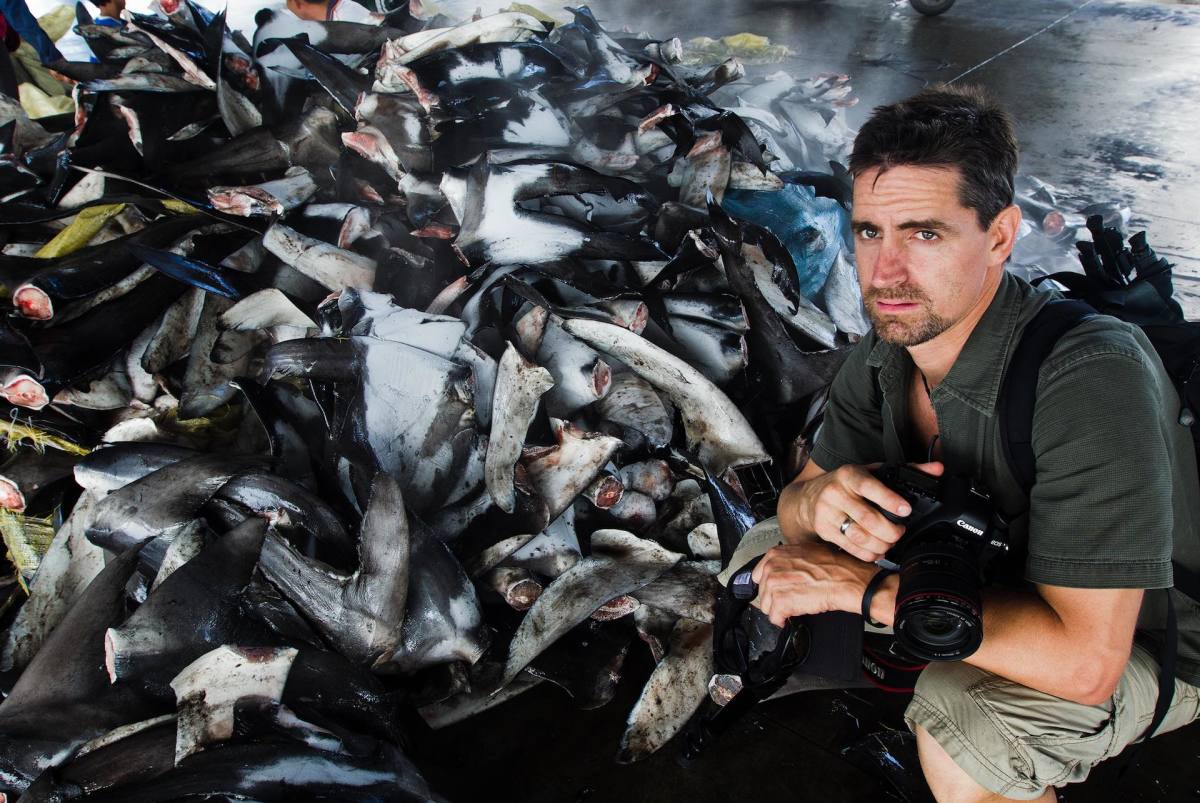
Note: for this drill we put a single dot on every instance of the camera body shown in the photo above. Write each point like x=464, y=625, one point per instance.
x=951, y=537
x=956, y=501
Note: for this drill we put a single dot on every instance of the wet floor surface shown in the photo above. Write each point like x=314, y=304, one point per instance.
x=1107, y=99
x=1106, y=94
x=830, y=746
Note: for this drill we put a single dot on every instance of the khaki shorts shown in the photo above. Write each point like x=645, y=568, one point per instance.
x=1015, y=741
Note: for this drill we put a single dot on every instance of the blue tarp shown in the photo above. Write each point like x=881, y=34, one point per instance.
x=812, y=229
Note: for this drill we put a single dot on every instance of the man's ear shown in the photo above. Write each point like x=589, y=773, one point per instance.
x=1002, y=234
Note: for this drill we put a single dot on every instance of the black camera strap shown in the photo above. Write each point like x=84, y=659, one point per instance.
x=1166, y=671
x=869, y=594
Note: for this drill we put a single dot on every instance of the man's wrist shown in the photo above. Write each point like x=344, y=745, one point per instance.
x=858, y=575
x=883, y=601
x=789, y=509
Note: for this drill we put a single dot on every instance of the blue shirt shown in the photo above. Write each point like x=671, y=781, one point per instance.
x=19, y=17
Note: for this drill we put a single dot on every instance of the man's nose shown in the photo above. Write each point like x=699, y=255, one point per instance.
x=891, y=266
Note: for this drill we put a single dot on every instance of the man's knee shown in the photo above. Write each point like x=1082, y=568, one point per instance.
x=942, y=705
x=946, y=780
x=950, y=782
x=968, y=724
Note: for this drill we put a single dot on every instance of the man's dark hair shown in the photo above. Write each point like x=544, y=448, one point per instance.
x=945, y=126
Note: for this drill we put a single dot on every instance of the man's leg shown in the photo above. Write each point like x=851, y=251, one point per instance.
x=949, y=782
x=983, y=737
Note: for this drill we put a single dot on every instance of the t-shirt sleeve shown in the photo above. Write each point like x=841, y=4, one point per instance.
x=852, y=430
x=1100, y=509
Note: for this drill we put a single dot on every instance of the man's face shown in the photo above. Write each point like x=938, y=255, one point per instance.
x=923, y=260
x=113, y=8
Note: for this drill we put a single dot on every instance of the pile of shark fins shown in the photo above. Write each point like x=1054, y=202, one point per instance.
x=373, y=371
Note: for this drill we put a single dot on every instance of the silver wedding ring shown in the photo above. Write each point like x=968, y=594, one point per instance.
x=846, y=525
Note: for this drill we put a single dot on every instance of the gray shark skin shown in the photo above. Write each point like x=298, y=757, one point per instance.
x=294, y=510
x=63, y=698
x=794, y=374
x=714, y=425
x=69, y=565
x=162, y=502
x=128, y=754
x=430, y=376
x=620, y=563
x=361, y=614
x=443, y=621
x=191, y=612
x=519, y=385
x=675, y=690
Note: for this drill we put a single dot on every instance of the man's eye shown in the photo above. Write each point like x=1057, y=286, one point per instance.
x=868, y=234
x=927, y=235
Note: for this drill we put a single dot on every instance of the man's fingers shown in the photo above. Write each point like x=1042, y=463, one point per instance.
x=935, y=468
x=872, y=548
x=830, y=528
x=773, y=609
x=765, y=565
x=871, y=520
x=871, y=488
x=763, y=600
x=863, y=554
x=762, y=579
x=852, y=546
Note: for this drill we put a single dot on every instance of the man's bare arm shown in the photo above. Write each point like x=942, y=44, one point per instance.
x=1073, y=643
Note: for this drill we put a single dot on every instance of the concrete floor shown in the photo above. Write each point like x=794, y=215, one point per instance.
x=1107, y=97
x=825, y=746
x=1106, y=94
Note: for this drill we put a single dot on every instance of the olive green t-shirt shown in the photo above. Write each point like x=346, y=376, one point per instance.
x=1116, y=495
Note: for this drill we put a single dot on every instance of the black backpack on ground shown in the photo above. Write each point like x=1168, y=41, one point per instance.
x=1132, y=284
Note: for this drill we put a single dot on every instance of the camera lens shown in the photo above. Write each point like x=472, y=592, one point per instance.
x=938, y=606
x=936, y=628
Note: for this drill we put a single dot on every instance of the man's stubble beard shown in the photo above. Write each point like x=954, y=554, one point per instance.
x=894, y=329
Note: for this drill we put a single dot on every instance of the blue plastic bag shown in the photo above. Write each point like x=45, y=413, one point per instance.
x=813, y=229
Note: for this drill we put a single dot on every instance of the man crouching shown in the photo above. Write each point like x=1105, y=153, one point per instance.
x=1067, y=673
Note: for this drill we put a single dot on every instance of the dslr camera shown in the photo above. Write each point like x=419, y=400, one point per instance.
x=951, y=538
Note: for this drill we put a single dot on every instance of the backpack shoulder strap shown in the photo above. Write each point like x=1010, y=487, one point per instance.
x=1018, y=391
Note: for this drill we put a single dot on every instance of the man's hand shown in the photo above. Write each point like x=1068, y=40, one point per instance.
x=820, y=504
x=800, y=579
